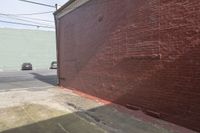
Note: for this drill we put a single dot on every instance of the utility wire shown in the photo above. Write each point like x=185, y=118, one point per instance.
x=10, y=15
x=33, y=22
x=26, y=19
x=37, y=19
x=26, y=24
x=35, y=13
x=42, y=4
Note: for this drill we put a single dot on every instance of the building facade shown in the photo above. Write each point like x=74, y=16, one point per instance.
x=142, y=54
x=18, y=46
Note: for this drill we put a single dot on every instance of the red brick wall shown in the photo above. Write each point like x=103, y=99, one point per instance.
x=141, y=53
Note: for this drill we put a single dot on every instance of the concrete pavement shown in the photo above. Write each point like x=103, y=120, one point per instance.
x=31, y=103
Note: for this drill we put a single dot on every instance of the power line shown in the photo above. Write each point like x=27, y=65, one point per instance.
x=35, y=13
x=37, y=3
x=26, y=24
x=19, y=17
x=36, y=19
x=33, y=22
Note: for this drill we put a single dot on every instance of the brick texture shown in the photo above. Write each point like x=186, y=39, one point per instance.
x=141, y=53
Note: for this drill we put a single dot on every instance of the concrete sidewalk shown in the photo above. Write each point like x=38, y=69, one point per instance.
x=54, y=110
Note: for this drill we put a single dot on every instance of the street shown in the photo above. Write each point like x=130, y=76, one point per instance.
x=27, y=79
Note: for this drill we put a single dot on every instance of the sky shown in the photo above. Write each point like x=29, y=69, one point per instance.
x=19, y=12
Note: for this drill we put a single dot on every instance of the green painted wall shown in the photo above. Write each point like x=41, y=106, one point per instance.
x=18, y=46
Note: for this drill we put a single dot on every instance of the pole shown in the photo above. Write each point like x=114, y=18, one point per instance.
x=56, y=6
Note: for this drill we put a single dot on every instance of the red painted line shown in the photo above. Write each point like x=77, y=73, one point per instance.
x=82, y=94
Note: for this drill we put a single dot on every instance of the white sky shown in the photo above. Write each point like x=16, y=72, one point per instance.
x=19, y=7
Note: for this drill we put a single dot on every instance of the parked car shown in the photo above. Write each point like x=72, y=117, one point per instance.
x=27, y=66
x=53, y=65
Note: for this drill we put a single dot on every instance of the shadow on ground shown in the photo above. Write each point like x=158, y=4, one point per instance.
x=27, y=82
x=96, y=120
x=50, y=79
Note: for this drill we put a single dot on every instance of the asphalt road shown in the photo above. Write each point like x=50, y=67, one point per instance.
x=28, y=79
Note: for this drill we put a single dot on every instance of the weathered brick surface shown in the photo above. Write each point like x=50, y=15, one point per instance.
x=144, y=53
